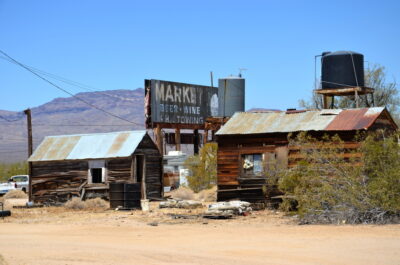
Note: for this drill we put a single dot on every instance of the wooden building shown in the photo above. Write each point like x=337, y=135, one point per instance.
x=83, y=165
x=249, y=143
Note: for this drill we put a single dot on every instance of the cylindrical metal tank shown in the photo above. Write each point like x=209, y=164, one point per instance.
x=231, y=92
x=342, y=69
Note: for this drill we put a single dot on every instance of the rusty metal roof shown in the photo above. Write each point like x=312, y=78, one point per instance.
x=296, y=121
x=88, y=146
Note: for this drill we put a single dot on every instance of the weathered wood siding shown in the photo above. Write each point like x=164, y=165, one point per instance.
x=153, y=167
x=119, y=169
x=58, y=181
x=232, y=184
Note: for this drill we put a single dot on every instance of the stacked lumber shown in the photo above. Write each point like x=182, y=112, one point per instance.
x=57, y=181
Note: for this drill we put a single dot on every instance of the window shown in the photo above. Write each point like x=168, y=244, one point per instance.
x=20, y=178
x=97, y=175
x=252, y=164
x=97, y=171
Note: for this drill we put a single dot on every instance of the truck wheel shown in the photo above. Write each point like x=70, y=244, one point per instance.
x=24, y=190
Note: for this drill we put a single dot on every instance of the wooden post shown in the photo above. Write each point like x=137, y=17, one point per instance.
x=196, y=141
x=159, y=138
x=144, y=195
x=356, y=97
x=328, y=102
x=205, y=137
x=178, y=139
x=30, y=150
x=133, y=170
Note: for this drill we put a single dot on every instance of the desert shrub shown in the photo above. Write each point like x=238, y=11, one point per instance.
x=97, y=203
x=332, y=184
x=92, y=204
x=382, y=166
x=15, y=194
x=203, y=168
x=75, y=204
x=183, y=193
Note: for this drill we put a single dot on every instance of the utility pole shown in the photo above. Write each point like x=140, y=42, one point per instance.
x=196, y=141
x=30, y=149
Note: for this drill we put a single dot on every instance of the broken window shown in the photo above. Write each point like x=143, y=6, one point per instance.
x=97, y=171
x=252, y=164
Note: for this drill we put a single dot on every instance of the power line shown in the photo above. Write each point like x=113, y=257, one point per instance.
x=66, y=91
x=12, y=139
x=69, y=81
x=75, y=125
x=18, y=150
x=19, y=139
x=82, y=125
x=8, y=120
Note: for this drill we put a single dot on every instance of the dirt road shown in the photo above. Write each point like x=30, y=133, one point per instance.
x=126, y=238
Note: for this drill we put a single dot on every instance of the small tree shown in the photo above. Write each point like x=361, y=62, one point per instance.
x=203, y=168
x=382, y=166
x=332, y=184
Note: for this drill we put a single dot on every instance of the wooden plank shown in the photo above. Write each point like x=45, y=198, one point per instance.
x=349, y=145
x=342, y=155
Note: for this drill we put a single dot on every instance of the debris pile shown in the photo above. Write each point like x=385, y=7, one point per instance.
x=227, y=209
x=183, y=204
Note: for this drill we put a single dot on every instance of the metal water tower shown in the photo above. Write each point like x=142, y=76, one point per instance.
x=342, y=74
x=342, y=69
x=231, y=94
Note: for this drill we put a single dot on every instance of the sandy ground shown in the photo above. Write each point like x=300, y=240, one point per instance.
x=60, y=236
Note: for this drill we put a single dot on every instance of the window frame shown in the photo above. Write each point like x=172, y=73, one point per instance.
x=247, y=174
x=97, y=164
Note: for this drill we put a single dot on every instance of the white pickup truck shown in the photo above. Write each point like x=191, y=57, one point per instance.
x=19, y=182
x=6, y=187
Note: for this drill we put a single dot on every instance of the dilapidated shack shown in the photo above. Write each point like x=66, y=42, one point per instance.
x=85, y=164
x=250, y=142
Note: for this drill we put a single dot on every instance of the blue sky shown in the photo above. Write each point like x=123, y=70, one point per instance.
x=118, y=44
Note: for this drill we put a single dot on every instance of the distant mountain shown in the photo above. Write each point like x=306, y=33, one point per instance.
x=262, y=110
x=69, y=116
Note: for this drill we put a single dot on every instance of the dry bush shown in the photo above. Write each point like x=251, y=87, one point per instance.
x=97, y=203
x=92, y=204
x=203, y=168
x=75, y=204
x=208, y=195
x=183, y=193
x=327, y=187
x=15, y=194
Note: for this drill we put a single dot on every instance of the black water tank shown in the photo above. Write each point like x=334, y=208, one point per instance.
x=132, y=195
x=342, y=69
x=117, y=195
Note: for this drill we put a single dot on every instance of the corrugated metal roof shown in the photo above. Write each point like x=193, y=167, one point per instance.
x=310, y=120
x=88, y=146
